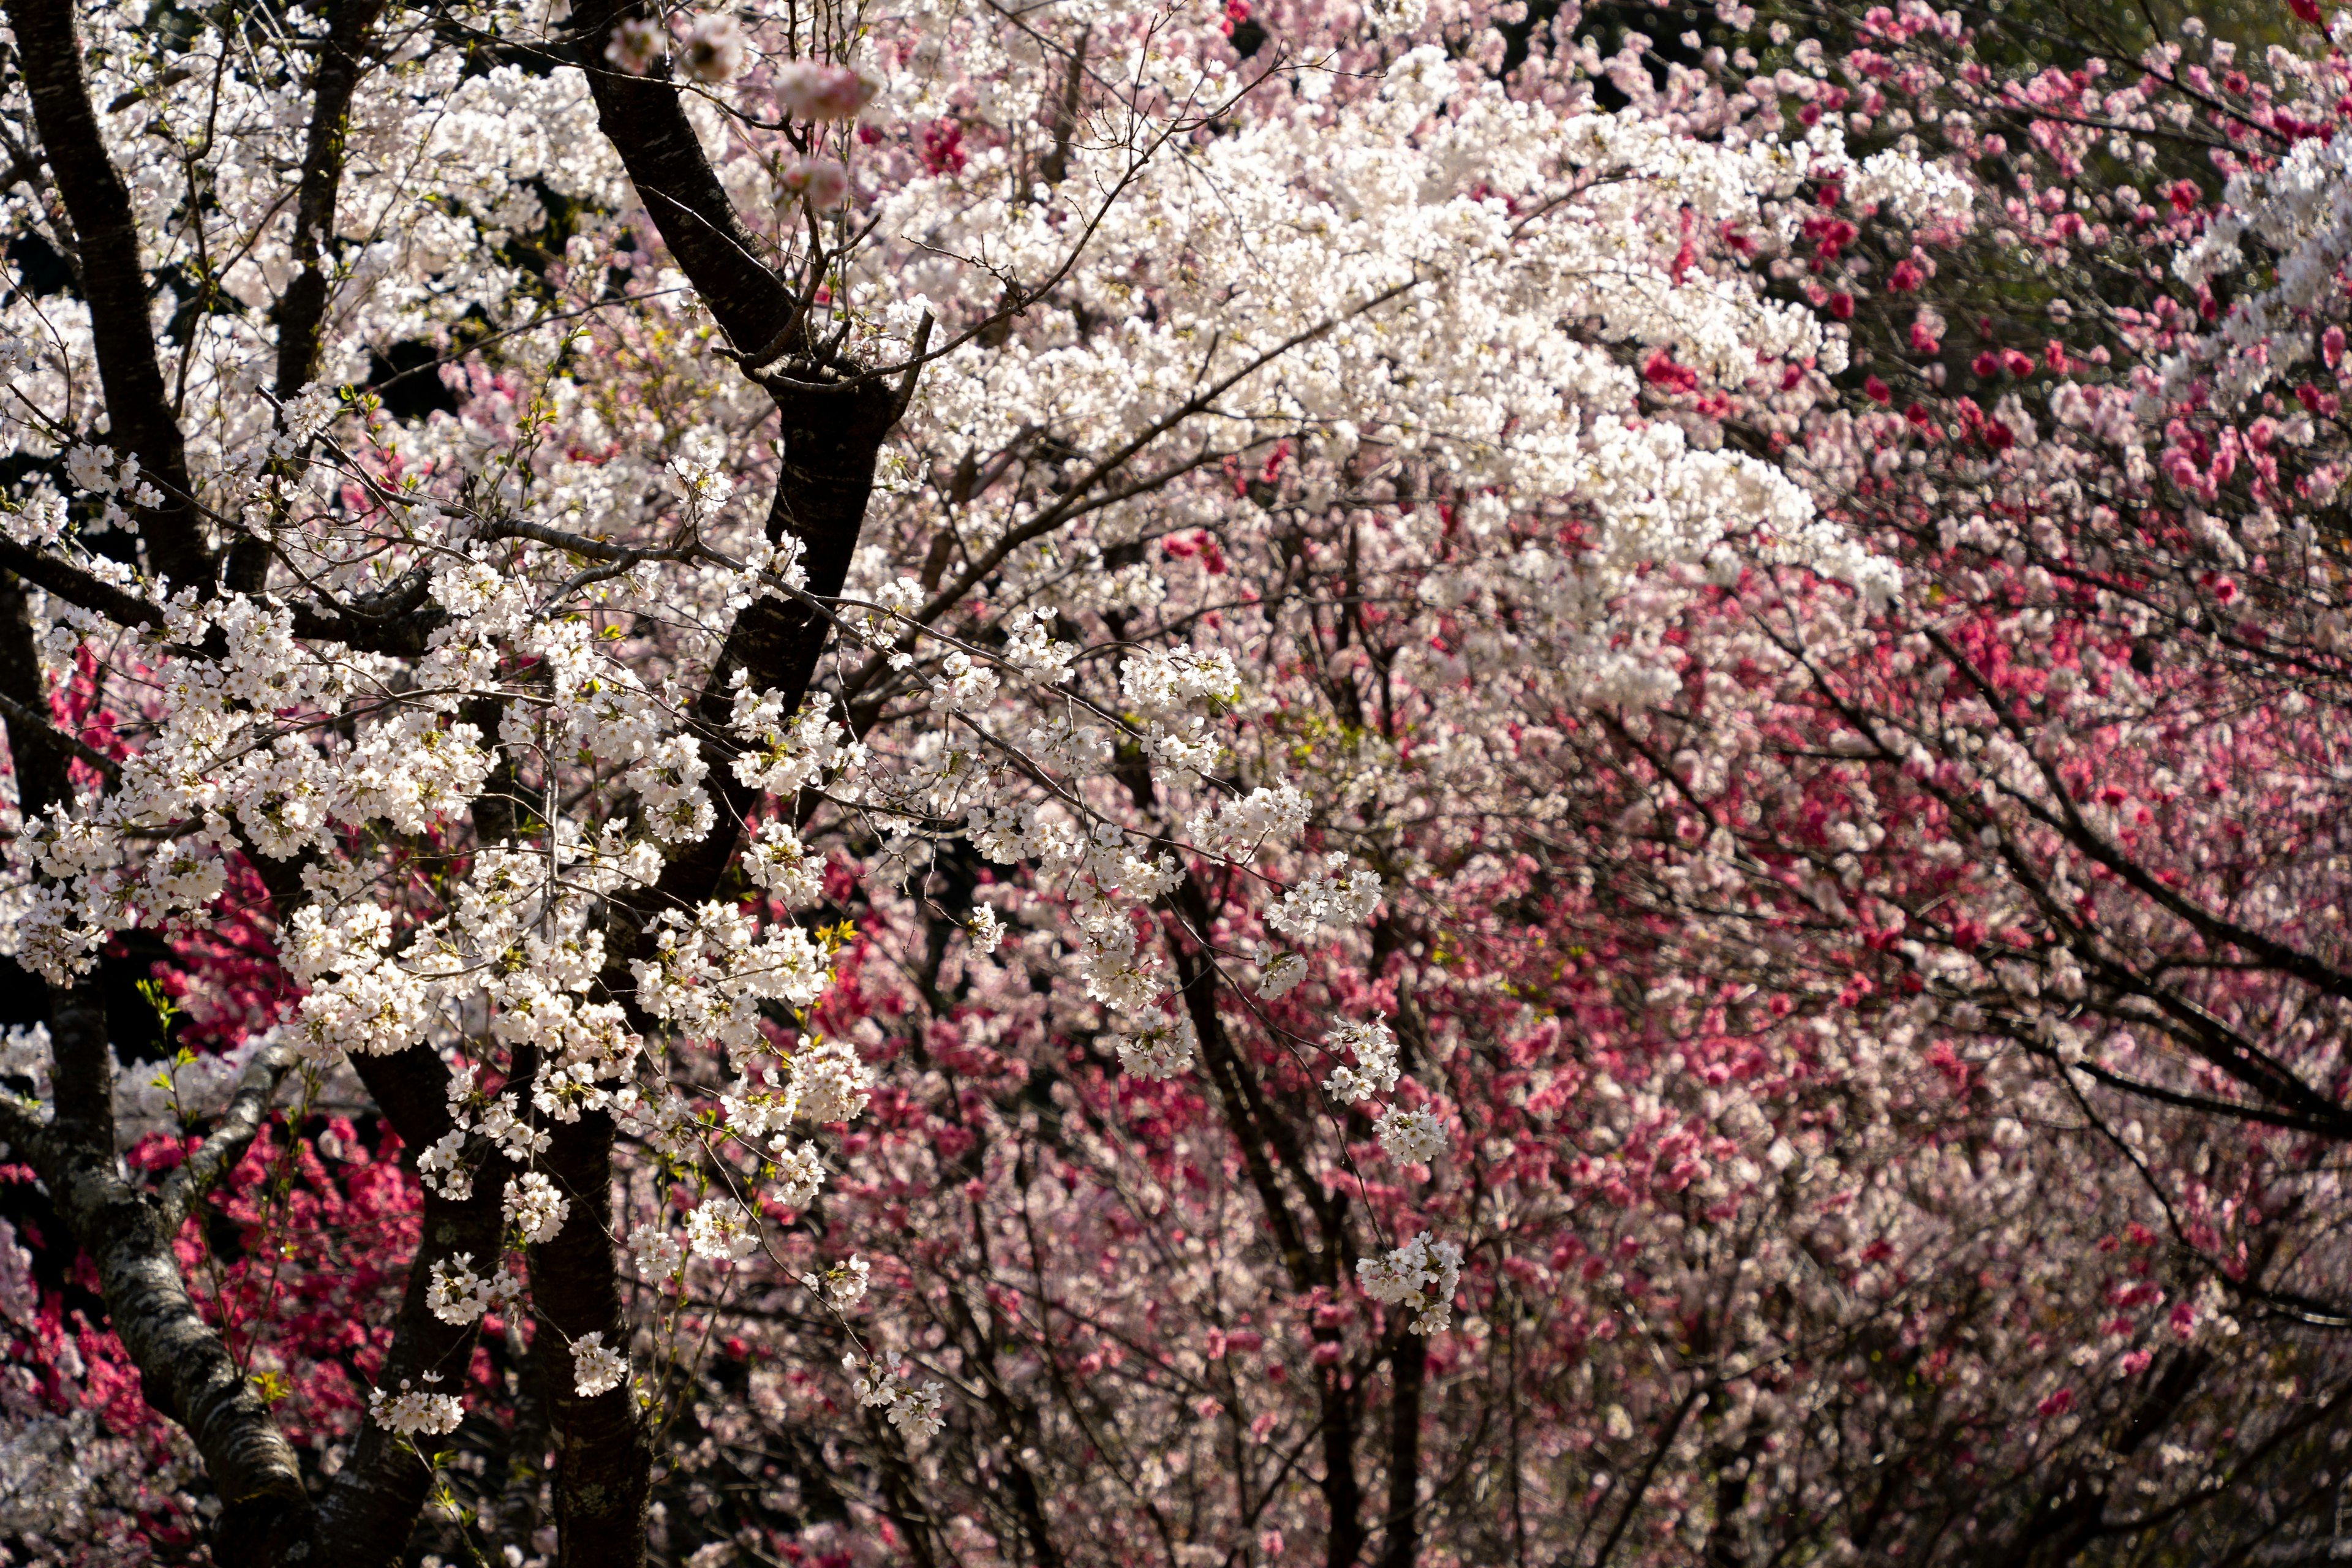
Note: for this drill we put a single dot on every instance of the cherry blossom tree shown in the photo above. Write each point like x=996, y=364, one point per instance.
x=823, y=385
x=1171, y=784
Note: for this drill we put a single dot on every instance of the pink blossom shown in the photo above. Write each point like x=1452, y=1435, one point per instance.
x=823, y=180
x=810, y=90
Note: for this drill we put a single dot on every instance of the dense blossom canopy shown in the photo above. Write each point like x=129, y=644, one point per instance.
x=1182, y=783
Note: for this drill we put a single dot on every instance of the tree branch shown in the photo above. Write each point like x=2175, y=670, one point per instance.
x=1641, y=1487
x=647, y=126
x=833, y=433
x=37, y=749
x=185, y=1371
x=76, y=586
x=368, y=1513
x=138, y=407
x=2068, y=820
x=604, y=1451
x=1409, y=1367
x=240, y=1123
x=302, y=309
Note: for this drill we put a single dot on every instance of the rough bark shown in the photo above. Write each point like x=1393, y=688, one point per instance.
x=603, y=1455
x=241, y=1121
x=41, y=761
x=366, y=1515
x=1343, y=1493
x=186, y=1372
x=526, y=1466
x=1409, y=1367
x=369, y=1511
x=76, y=586
x=603, y=1452
x=187, y=1375
x=832, y=438
x=835, y=420
x=302, y=312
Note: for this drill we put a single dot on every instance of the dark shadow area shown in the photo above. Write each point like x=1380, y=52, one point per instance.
x=407, y=378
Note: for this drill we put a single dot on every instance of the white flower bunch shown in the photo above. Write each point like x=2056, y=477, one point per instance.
x=1420, y=1276
x=668, y=782
x=1375, y=1070
x=534, y=1208
x=594, y=1369
x=775, y=859
x=1328, y=895
x=843, y=1285
x=1238, y=828
x=798, y=1172
x=721, y=1230
x=1409, y=1137
x=987, y=930
x=459, y=1294
x=417, y=1413
x=833, y=1081
x=1279, y=972
x=1161, y=1051
x=783, y=756
x=442, y=1168
x=890, y=1386
x=657, y=1252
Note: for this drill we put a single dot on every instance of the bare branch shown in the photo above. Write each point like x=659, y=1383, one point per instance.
x=240, y=1123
